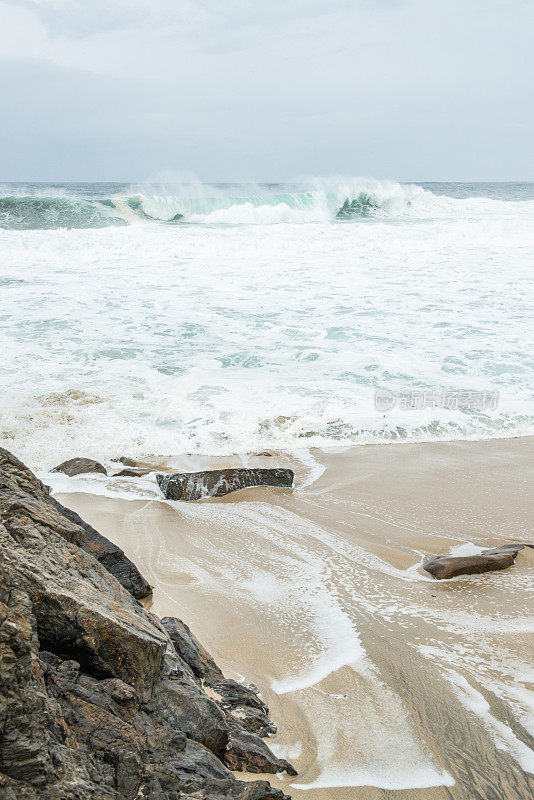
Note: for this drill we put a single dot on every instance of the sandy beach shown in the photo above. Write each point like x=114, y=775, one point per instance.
x=384, y=682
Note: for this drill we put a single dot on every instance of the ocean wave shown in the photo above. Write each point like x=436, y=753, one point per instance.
x=171, y=337
x=34, y=212
x=313, y=201
x=335, y=200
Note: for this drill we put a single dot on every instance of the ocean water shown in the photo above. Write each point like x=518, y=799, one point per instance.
x=179, y=317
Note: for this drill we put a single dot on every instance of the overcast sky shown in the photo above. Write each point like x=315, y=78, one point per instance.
x=267, y=89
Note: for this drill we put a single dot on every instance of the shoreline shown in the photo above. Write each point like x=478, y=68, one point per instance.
x=314, y=595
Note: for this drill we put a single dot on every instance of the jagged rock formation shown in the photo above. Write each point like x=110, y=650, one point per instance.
x=98, y=699
x=218, y=482
x=443, y=567
x=245, y=750
x=110, y=556
x=80, y=466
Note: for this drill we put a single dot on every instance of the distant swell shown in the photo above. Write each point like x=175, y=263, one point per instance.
x=45, y=213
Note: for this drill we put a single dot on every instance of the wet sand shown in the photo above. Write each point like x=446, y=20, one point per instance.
x=384, y=682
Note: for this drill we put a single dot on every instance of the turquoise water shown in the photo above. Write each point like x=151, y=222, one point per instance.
x=27, y=206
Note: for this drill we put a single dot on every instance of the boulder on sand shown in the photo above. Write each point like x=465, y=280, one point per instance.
x=80, y=466
x=495, y=558
x=218, y=482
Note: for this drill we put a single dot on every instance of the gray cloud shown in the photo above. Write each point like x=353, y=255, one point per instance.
x=400, y=88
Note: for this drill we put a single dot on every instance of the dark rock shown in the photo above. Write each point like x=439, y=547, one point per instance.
x=189, y=648
x=96, y=702
x=246, y=751
x=127, y=462
x=246, y=713
x=132, y=472
x=70, y=525
x=110, y=555
x=80, y=466
x=188, y=709
x=243, y=701
x=495, y=558
x=218, y=482
x=508, y=548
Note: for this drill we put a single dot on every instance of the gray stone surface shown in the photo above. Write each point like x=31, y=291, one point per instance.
x=496, y=558
x=218, y=482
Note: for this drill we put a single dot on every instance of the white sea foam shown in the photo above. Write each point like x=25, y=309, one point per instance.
x=503, y=735
x=145, y=488
x=408, y=776
x=345, y=652
x=466, y=549
x=383, y=750
x=222, y=338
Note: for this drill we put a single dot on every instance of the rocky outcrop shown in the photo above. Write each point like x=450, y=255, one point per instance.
x=245, y=749
x=80, y=466
x=487, y=561
x=21, y=483
x=96, y=700
x=110, y=556
x=218, y=482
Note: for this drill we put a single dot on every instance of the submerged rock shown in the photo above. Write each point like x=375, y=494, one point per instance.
x=80, y=466
x=218, y=482
x=495, y=558
x=127, y=461
x=132, y=472
x=96, y=700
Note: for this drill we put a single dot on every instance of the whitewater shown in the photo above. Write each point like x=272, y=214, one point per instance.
x=184, y=318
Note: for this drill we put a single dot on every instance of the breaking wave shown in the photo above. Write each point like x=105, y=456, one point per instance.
x=335, y=200
x=195, y=203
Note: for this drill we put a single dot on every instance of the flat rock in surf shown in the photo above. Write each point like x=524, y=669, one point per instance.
x=488, y=561
x=132, y=472
x=80, y=466
x=127, y=462
x=218, y=482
